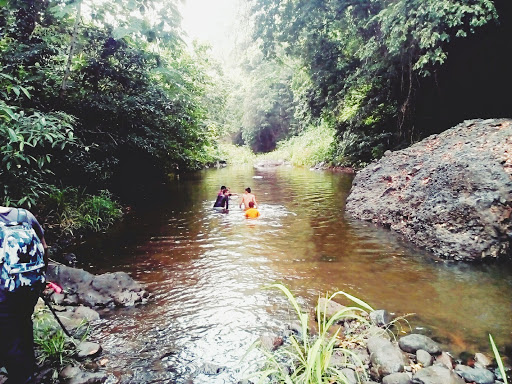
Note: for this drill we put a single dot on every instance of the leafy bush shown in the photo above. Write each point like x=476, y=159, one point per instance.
x=28, y=141
x=73, y=211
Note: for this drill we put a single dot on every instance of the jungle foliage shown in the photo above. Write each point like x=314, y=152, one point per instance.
x=106, y=94
x=382, y=74
x=98, y=94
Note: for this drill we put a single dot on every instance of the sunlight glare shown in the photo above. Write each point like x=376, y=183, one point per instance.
x=210, y=21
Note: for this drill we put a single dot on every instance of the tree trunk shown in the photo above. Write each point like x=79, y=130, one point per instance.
x=72, y=46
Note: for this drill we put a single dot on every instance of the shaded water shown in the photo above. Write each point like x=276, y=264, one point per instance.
x=206, y=271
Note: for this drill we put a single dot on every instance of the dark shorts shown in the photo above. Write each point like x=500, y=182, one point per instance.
x=16, y=335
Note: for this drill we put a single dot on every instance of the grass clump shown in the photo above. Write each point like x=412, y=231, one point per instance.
x=311, y=147
x=236, y=155
x=307, y=358
x=54, y=350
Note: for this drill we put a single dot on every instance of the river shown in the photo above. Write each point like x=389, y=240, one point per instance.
x=207, y=272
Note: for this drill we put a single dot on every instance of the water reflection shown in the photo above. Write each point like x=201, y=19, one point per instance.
x=206, y=270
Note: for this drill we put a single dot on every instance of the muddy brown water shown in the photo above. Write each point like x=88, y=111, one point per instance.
x=207, y=272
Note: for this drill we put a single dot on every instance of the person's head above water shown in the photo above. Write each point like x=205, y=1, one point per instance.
x=251, y=204
x=248, y=190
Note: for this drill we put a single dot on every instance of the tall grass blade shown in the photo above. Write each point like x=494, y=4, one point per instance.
x=354, y=299
x=498, y=360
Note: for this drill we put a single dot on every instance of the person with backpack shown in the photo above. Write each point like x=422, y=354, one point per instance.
x=23, y=264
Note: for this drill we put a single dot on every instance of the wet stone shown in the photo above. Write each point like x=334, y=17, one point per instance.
x=424, y=358
x=69, y=371
x=445, y=360
x=482, y=361
x=271, y=342
x=58, y=298
x=380, y=317
x=436, y=374
x=397, y=378
x=88, y=378
x=211, y=369
x=477, y=375
x=329, y=307
x=386, y=358
x=411, y=343
x=350, y=375
x=87, y=349
x=86, y=313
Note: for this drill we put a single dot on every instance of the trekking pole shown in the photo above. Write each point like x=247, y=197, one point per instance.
x=47, y=302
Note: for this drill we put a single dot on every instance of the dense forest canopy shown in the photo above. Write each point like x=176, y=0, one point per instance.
x=108, y=95
x=101, y=93
x=384, y=74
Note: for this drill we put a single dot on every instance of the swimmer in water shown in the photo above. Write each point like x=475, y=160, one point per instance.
x=252, y=213
x=248, y=197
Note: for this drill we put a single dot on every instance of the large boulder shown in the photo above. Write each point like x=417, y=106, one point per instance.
x=450, y=193
x=82, y=287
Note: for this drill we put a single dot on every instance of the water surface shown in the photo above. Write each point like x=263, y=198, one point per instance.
x=207, y=272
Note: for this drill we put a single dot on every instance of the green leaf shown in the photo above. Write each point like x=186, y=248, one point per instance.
x=12, y=135
x=5, y=75
x=25, y=91
x=9, y=112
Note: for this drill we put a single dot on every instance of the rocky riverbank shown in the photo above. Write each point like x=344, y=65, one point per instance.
x=368, y=351
x=378, y=350
x=450, y=193
x=83, y=294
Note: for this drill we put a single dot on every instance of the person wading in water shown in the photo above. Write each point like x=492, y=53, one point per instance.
x=247, y=197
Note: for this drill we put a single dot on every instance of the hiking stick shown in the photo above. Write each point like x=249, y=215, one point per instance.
x=47, y=302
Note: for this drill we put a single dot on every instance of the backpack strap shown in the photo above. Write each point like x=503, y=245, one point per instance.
x=22, y=215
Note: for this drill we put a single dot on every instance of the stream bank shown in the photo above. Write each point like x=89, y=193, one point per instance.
x=379, y=350
x=368, y=347
x=450, y=194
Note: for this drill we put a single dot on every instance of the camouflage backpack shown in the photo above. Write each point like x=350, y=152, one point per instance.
x=21, y=255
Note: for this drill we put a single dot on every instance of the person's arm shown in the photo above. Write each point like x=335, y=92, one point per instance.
x=39, y=232
x=45, y=254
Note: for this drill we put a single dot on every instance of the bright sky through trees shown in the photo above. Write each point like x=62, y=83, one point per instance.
x=212, y=21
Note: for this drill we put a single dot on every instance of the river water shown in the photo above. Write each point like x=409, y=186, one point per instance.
x=207, y=272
